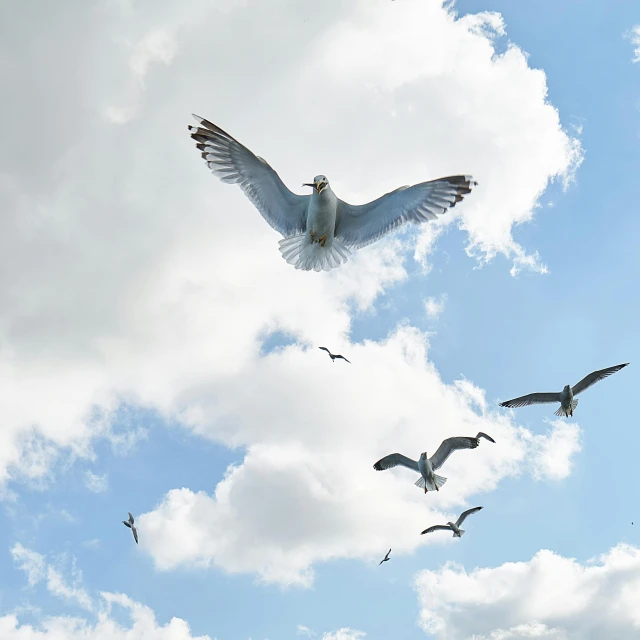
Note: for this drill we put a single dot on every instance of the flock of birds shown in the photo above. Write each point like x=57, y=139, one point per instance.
x=320, y=230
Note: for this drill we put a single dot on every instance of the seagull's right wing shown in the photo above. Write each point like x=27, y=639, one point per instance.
x=594, y=377
x=131, y=520
x=393, y=460
x=437, y=527
x=284, y=210
x=466, y=513
x=485, y=436
x=532, y=398
x=450, y=445
x=343, y=358
x=135, y=534
x=360, y=225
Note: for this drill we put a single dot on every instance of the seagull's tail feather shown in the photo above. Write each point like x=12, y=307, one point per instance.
x=303, y=254
x=561, y=412
x=460, y=533
x=440, y=480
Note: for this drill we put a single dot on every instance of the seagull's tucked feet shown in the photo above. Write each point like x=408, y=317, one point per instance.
x=437, y=487
x=304, y=253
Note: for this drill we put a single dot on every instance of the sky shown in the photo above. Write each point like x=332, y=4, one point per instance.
x=158, y=356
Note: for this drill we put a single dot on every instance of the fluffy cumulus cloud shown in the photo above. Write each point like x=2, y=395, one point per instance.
x=306, y=491
x=142, y=624
x=547, y=597
x=129, y=275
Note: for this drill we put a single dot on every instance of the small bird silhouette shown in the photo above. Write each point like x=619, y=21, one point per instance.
x=130, y=525
x=333, y=356
x=386, y=558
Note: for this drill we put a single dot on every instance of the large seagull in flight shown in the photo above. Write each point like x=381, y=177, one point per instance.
x=320, y=229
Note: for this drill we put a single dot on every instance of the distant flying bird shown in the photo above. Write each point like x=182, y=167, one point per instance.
x=130, y=525
x=426, y=466
x=319, y=229
x=453, y=526
x=333, y=356
x=566, y=396
x=386, y=558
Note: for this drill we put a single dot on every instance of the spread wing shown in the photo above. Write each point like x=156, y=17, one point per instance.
x=360, y=225
x=450, y=445
x=594, y=377
x=343, y=358
x=135, y=534
x=466, y=513
x=393, y=460
x=484, y=435
x=437, y=527
x=532, y=398
x=325, y=349
x=232, y=162
x=126, y=524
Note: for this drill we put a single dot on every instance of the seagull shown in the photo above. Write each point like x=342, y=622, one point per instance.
x=453, y=526
x=566, y=396
x=129, y=524
x=387, y=558
x=426, y=466
x=320, y=229
x=333, y=356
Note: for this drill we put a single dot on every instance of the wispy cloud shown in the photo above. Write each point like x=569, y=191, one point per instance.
x=36, y=567
x=634, y=36
x=434, y=306
x=96, y=483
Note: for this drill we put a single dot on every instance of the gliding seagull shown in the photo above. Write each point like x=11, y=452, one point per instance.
x=426, y=466
x=333, y=356
x=453, y=526
x=565, y=397
x=387, y=558
x=130, y=525
x=320, y=228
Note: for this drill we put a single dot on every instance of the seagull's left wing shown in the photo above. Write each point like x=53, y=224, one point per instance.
x=360, y=225
x=393, y=460
x=450, y=445
x=594, y=377
x=135, y=534
x=437, y=527
x=466, y=513
x=284, y=210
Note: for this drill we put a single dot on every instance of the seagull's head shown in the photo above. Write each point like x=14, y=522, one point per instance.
x=566, y=387
x=319, y=183
x=423, y=455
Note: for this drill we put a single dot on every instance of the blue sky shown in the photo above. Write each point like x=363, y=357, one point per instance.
x=136, y=300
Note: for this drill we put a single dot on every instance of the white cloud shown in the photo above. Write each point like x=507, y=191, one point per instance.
x=307, y=482
x=547, y=597
x=344, y=634
x=37, y=570
x=434, y=306
x=552, y=454
x=130, y=275
x=96, y=483
x=143, y=624
x=634, y=36
x=31, y=562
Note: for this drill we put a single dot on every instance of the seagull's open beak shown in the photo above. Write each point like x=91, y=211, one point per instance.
x=310, y=184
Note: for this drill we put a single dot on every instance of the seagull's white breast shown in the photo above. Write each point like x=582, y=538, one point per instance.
x=321, y=215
